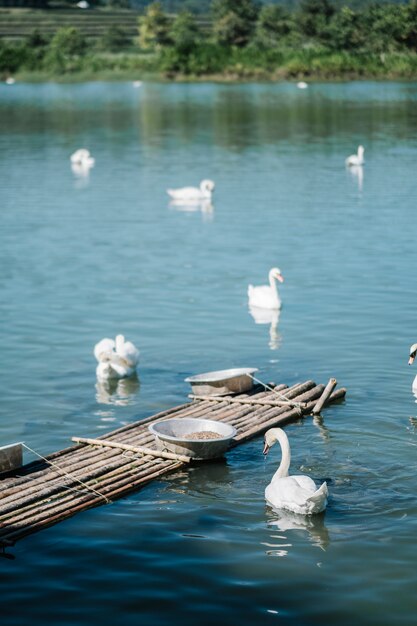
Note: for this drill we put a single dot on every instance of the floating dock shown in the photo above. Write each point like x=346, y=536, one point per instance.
x=99, y=471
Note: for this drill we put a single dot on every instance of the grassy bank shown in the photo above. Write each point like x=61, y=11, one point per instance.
x=239, y=66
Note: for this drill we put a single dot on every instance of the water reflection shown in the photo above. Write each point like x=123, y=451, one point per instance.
x=356, y=171
x=286, y=521
x=120, y=392
x=81, y=172
x=268, y=316
x=204, y=206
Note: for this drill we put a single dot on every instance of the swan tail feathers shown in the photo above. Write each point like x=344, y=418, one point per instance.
x=319, y=495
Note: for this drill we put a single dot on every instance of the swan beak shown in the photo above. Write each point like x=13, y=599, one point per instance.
x=411, y=359
x=266, y=449
x=280, y=278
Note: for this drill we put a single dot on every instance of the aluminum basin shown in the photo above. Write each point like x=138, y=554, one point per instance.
x=171, y=436
x=222, y=382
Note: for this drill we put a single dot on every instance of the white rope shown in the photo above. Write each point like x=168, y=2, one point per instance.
x=281, y=396
x=66, y=473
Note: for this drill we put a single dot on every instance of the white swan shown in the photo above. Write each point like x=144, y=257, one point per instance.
x=193, y=193
x=413, y=353
x=302, y=85
x=293, y=493
x=82, y=157
x=116, y=359
x=266, y=296
x=356, y=159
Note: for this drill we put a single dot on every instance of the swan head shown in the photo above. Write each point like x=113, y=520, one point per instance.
x=275, y=272
x=271, y=437
x=413, y=354
x=361, y=151
x=207, y=186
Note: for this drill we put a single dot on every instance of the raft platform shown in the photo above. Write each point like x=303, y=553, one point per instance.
x=99, y=471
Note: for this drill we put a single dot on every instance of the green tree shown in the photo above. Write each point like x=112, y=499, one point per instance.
x=184, y=33
x=113, y=39
x=410, y=31
x=273, y=25
x=315, y=16
x=345, y=31
x=234, y=21
x=154, y=28
x=67, y=46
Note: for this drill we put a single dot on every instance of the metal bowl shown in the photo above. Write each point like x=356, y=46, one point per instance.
x=171, y=436
x=222, y=382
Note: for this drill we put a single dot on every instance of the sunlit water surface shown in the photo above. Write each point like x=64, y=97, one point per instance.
x=89, y=255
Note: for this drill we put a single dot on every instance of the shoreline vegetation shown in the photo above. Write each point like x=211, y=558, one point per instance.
x=239, y=41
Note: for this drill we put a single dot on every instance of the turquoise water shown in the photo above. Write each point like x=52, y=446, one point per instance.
x=85, y=257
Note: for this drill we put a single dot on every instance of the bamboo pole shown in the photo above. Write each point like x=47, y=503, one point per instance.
x=138, y=449
x=325, y=395
x=232, y=400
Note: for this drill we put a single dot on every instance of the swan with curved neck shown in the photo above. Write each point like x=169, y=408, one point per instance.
x=413, y=354
x=294, y=493
x=356, y=159
x=116, y=359
x=203, y=192
x=266, y=296
x=83, y=157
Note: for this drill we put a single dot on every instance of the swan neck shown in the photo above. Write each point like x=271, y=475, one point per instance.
x=284, y=466
x=273, y=284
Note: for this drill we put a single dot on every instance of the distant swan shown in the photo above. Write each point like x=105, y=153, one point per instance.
x=193, y=193
x=82, y=157
x=413, y=353
x=302, y=85
x=356, y=159
x=293, y=493
x=266, y=296
x=116, y=359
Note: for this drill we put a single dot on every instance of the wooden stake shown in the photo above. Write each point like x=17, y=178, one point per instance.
x=324, y=396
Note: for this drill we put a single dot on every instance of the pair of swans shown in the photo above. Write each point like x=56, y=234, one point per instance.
x=298, y=494
x=116, y=358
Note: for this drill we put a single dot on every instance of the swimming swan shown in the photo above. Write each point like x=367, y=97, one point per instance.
x=266, y=296
x=82, y=157
x=193, y=193
x=356, y=159
x=413, y=353
x=293, y=493
x=116, y=359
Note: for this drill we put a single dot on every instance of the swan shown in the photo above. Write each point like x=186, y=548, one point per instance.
x=302, y=85
x=264, y=296
x=116, y=359
x=83, y=157
x=356, y=159
x=413, y=353
x=293, y=493
x=193, y=193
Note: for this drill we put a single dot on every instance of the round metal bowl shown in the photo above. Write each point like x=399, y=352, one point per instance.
x=222, y=382
x=171, y=436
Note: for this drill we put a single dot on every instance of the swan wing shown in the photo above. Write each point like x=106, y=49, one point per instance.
x=263, y=297
x=186, y=193
x=287, y=493
x=129, y=353
x=103, y=348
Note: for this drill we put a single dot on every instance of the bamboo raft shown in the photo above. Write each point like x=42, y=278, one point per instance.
x=98, y=471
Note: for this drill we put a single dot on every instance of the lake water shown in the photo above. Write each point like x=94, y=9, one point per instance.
x=85, y=257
